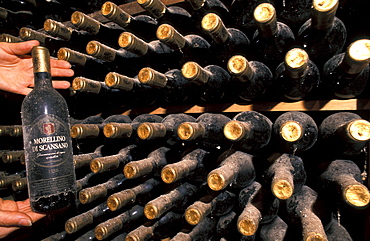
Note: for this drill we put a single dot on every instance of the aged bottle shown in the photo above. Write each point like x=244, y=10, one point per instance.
x=199, y=8
x=84, y=159
x=273, y=38
x=206, y=130
x=323, y=35
x=19, y=184
x=250, y=79
x=83, y=64
x=286, y=175
x=173, y=15
x=302, y=212
x=172, y=86
x=11, y=130
x=295, y=132
x=7, y=180
x=297, y=76
x=268, y=231
x=213, y=81
x=210, y=205
x=111, y=226
x=227, y=42
x=204, y=229
x=107, y=34
x=47, y=141
x=236, y=170
x=12, y=21
x=142, y=191
x=8, y=38
x=345, y=134
x=249, y=130
x=13, y=156
x=346, y=75
x=189, y=47
x=178, y=198
x=258, y=206
x=143, y=26
x=342, y=179
x=337, y=232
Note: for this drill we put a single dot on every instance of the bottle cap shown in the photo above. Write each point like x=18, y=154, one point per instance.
x=236, y=130
x=83, y=21
x=72, y=56
x=153, y=78
x=248, y=225
x=239, y=67
x=150, y=211
x=132, y=43
x=357, y=195
x=120, y=199
x=194, y=72
x=213, y=24
x=57, y=29
x=149, y=131
x=4, y=37
x=323, y=13
x=190, y=131
x=155, y=7
x=170, y=36
x=265, y=16
x=291, y=131
x=296, y=63
x=193, y=216
x=40, y=59
x=83, y=84
x=116, y=14
x=169, y=174
x=359, y=130
x=30, y=34
x=117, y=130
x=357, y=57
x=119, y=81
x=130, y=170
x=100, y=51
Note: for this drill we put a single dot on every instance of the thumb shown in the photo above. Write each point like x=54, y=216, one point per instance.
x=22, y=48
x=13, y=218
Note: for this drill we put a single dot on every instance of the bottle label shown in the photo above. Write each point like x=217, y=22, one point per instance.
x=49, y=157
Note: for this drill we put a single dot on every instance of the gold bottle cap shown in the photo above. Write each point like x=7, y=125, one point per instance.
x=193, y=216
x=357, y=56
x=216, y=181
x=30, y=34
x=155, y=7
x=357, y=195
x=149, y=131
x=116, y=14
x=86, y=85
x=85, y=197
x=194, y=72
x=291, y=131
x=40, y=59
x=152, y=77
x=359, y=130
x=323, y=13
x=85, y=22
x=265, y=16
x=130, y=170
x=132, y=43
x=101, y=232
x=170, y=36
x=4, y=37
x=70, y=226
x=19, y=184
x=189, y=131
x=282, y=189
x=314, y=236
x=239, y=67
x=57, y=29
x=80, y=131
x=169, y=174
x=119, y=81
x=101, y=51
x=236, y=130
x=150, y=211
x=117, y=130
x=119, y=200
x=96, y=166
x=248, y=226
x=213, y=24
x=72, y=56
x=296, y=63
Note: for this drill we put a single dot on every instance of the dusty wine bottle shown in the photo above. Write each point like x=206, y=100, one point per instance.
x=204, y=229
x=143, y=26
x=342, y=179
x=295, y=132
x=11, y=131
x=273, y=38
x=250, y=79
x=258, y=206
x=268, y=231
x=13, y=156
x=346, y=74
x=47, y=141
x=19, y=184
x=297, y=76
x=82, y=160
x=323, y=35
x=11, y=21
x=8, y=38
x=336, y=231
x=249, y=130
x=236, y=169
x=213, y=80
x=199, y=8
x=286, y=175
x=6, y=181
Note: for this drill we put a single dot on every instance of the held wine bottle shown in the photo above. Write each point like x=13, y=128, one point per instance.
x=323, y=35
x=249, y=130
x=286, y=175
x=213, y=80
x=143, y=26
x=47, y=141
x=347, y=74
x=295, y=132
x=250, y=79
x=273, y=38
x=297, y=76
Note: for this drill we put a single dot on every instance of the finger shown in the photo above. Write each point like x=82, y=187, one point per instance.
x=61, y=84
x=58, y=63
x=58, y=72
x=14, y=219
x=22, y=48
x=25, y=207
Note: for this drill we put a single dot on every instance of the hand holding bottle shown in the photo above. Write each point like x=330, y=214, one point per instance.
x=16, y=71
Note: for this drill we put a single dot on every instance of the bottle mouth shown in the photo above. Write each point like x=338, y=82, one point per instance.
x=357, y=195
x=150, y=211
x=169, y=175
x=108, y=9
x=291, y=131
x=359, y=130
x=296, y=63
x=193, y=216
x=235, y=130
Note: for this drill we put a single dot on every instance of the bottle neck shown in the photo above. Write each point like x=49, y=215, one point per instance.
x=323, y=13
x=41, y=67
x=265, y=17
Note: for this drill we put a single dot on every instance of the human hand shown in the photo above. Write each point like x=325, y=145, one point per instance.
x=16, y=68
x=14, y=215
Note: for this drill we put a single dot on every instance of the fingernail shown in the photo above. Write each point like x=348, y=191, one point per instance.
x=25, y=222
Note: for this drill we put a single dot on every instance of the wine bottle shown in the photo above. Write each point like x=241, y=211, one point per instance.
x=12, y=21
x=116, y=60
x=82, y=160
x=47, y=141
x=144, y=26
x=346, y=74
x=227, y=42
x=111, y=226
x=342, y=179
x=323, y=35
x=6, y=181
x=177, y=198
x=8, y=38
x=295, y=132
x=268, y=231
x=199, y=8
x=217, y=206
x=273, y=38
x=189, y=47
x=11, y=131
x=344, y=134
x=258, y=206
x=297, y=76
x=174, y=88
x=301, y=211
x=249, y=131
x=120, y=199
x=173, y=15
x=206, y=130
x=235, y=169
x=107, y=34
x=155, y=53
x=13, y=156
x=19, y=184
x=337, y=232
x=204, y=229
x=286, y=175
x=213, y=81
x=250, y=79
